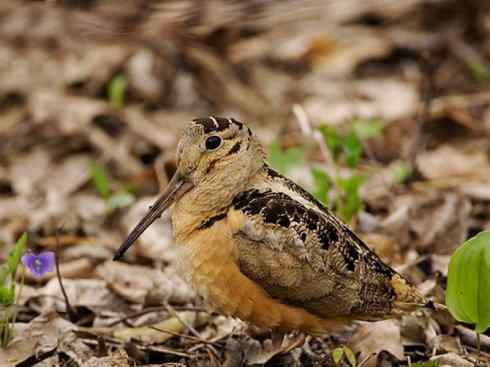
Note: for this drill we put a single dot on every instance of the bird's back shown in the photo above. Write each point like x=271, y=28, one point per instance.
x=300, y=253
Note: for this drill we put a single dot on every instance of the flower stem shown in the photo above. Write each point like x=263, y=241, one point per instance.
x=72, y=315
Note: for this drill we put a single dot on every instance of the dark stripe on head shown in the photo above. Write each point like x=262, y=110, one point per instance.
x=235, y=148
x=211, y=124
x=238, y=123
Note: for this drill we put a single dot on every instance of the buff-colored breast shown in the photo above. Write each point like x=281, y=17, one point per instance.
x=209, y=262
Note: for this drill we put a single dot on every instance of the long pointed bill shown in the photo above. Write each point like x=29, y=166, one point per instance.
x=175, y=189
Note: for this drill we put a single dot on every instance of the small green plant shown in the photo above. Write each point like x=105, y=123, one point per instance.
x=338, y=354
x=349, y=200
x=117, y=90
x=479, y=71
x=284, y=160
x=401, y=171
x=468, y=282
x=322, y=184
x=8, y=273
x=349, y=144
x=113, y=199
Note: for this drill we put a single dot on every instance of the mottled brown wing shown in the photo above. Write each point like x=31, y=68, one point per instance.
x=304, y=256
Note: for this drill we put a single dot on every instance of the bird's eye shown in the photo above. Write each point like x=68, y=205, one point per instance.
x=213, y=142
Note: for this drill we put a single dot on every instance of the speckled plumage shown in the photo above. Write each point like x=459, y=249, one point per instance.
x=257, y=246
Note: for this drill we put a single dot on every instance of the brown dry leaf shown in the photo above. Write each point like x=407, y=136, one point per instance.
x=91, y=293
x=38, y=337
x=447, y=161
x=119, y=358
x=476, y=190
x=136, y=283
x=157, y=241
x=452, y=360
x=148, y=335
x=28, y=171
x=383, y=245
x=335, y=102
x=432, y=222
x=372, y=338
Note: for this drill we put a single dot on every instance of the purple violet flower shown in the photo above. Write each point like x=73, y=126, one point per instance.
x=39, y=264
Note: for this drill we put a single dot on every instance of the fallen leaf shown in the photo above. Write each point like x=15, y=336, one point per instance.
x=38, y=337
x=136, y=283
x=119, y=358
x=448, y=161
x=149, y=335
x=372, y=338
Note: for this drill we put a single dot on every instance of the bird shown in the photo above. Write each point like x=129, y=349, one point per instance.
x=258, y=247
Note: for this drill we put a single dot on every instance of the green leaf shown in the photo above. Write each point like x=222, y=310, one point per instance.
x=7, y=295
x=401, y=171
x=367, y=128
x=16, y=253
x=468, y=282
x=284, y=160
x=480, y=72
x=349, y=202
x=332, y=139
x=117, y=90
x=351, y=357
x=100, y=180
x=353, y=149
x=426, y=364
x=322, y=185
x=337, y=354
x=120, y=199
x=4, y=273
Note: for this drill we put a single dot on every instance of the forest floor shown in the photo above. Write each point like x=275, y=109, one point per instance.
x=379, y=108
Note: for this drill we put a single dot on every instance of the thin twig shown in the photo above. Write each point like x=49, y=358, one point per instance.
x=365, y=360
x=137, y=314
x=156, y=309
x=183, y=322
x=307, y=130
x=71, y=313
x=174, y=333
x=427, y=69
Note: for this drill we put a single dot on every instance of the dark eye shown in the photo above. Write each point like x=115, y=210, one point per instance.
x=213, y=142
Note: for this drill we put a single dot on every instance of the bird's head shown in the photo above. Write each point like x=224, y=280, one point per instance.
x=215, y=158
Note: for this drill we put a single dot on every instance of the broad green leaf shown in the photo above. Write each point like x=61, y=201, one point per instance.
x=16, y=253
x=322, y=185
x=337, y=354
x=367, y=128
x=468, y=283
x=284, y=160
x=353, y=149
x=117, y=90
x=332, y=139
x=100, y=180
x=351, y=357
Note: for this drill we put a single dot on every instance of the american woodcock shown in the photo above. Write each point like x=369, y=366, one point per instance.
x=258, y=247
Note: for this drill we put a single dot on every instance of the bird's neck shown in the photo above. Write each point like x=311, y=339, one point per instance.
x=211, y=197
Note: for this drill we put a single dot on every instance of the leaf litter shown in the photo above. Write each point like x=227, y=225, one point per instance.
x=63, y=107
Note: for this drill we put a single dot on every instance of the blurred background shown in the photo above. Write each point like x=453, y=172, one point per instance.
x=380, y=108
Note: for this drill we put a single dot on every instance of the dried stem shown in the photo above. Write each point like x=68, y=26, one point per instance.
x=69, y=309
x=307, y=130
